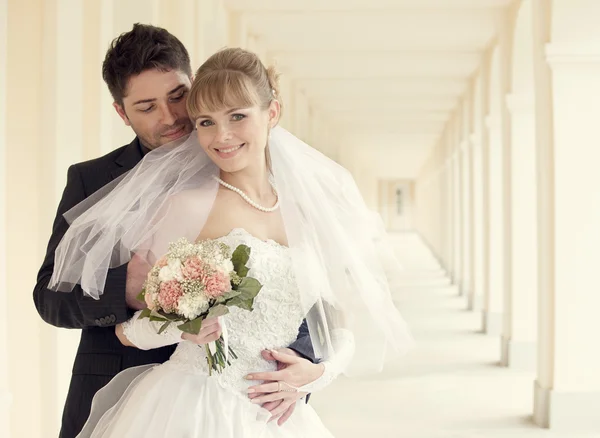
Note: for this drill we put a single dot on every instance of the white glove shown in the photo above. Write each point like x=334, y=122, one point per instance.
x=343, y=345
x=143, y=333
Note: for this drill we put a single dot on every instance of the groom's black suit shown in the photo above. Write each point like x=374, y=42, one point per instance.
x=100, y=355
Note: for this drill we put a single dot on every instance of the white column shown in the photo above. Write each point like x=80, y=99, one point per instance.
x=477, y=194
x=482, y=134
x=63, y=125
x=443, y=209
x=238, y=30
x=287, y=101
x=444, y=206
x=486, y=230
x=493, y=306
x=217, y=27
x=499, y=193
x=257, y=44
x=301, y=112
x=544, y=383
x=505, y=67
x=107, y=117
x=179, y=18
x=449, y=189
x=96, y=111
x=456, y=200
x=199, y=53
x=477, y=223
x=452, y=212
x=466, y=232
x=437, y=221
x=5, y=395
x=313, y=129
x=519, y=347
x=384, y=207
x=568, y=381
x=29, y=411
x=466, y=108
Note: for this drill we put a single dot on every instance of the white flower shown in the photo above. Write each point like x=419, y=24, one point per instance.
x=192, y=305
x=227, y=266
x=171, y=272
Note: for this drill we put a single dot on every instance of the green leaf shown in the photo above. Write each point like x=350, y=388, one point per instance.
x=164, y=327
x=240, y=257
x=145, y=313
x=169, y=316
x=241, y=303
x=242, y=271
x=192, y=327
x=249, y=288
x=218, y=310
x=158, y=318
x=142, y=296
x=227, y=296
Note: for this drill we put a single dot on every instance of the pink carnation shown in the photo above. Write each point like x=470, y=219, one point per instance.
x=216, y=284
x=169, y=294
x=193, y=269
x=149, y=301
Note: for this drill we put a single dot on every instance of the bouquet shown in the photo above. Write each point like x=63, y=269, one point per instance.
x=195, y=281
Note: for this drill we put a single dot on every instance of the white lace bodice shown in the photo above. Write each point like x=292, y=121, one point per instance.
x=273, y=323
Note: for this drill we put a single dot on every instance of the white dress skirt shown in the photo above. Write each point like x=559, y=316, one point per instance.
x=178, y=399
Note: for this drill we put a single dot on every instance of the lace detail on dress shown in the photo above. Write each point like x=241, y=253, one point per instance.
x=273, y=323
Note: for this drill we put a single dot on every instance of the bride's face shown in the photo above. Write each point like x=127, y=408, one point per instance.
x=235, y=138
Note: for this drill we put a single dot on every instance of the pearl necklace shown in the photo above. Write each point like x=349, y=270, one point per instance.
x=247, y=198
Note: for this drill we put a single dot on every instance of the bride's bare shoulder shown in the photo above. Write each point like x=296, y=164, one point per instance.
x=193, y=199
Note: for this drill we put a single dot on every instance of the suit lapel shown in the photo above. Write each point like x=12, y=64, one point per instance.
x=128, y=159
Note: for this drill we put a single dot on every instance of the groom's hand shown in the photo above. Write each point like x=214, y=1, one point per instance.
x=295, y=371
x=279, y=408
x=137, y=272
x=267, y=355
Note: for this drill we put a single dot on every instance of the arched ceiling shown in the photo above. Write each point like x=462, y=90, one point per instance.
x=385, y=71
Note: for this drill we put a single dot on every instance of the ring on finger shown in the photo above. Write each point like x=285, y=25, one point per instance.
x=290, y=388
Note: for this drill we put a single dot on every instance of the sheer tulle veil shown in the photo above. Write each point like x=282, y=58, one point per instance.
x=335, y=244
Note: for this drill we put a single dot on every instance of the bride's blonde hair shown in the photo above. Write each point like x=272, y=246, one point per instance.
x=232, y=77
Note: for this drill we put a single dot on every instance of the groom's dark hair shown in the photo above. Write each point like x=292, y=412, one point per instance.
x=144, y=47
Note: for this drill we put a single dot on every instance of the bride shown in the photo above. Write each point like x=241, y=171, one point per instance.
x=238, y=179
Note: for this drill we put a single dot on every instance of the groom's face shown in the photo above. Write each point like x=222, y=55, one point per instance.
x=154, y=106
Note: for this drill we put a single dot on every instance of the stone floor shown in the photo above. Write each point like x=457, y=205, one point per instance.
x=450, y=385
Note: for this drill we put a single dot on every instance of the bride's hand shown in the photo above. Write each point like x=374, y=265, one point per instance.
x=279, y=394
x=210, y=331
x=296, y=371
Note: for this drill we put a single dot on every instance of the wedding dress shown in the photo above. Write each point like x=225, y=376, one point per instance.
x=178, y=399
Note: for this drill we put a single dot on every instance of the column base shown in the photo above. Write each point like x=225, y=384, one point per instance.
x=519, y=355
x=492, y=323
x=566, y=411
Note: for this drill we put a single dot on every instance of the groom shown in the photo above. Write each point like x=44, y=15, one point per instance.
x=148, y=74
